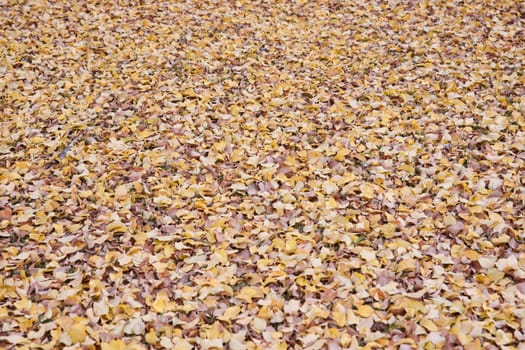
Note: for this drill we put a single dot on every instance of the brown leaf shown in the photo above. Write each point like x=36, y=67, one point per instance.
x=6, y=213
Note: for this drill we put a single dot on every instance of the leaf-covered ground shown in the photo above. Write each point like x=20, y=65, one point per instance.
x=262, y=175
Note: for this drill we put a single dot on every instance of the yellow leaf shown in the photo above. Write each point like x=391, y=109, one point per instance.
x=23, y=304
x=501, y=239
x=334, y=333
x=280, y=346
x=116, y=227
x=247, y=293
x=411, y=306
x=495, y=275
x=189, y=92
x=59, y=229
x=151, y=337
x=429, y=325
x=463, y=337
x=346, y=339
x=290, y=245
x=456, y=251
x=162, y=200
x=77, y=333
x=144, y=134
x=219, y=146
x=182, y=344
x=449, y=220
x=406, y=265
x=37, y=237
x=116, y=344
x=367, y=191
x=331, y=203
x=339, y=317
x=365, y=310
x=341, y=154
x=471, y=254
x=230, y=313
x=265, y=313
x=319, y=312
x=159, y=304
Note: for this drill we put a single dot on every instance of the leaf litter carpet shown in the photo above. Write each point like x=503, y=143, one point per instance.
x=262, y=175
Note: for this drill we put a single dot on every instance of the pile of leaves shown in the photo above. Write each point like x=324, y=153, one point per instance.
x=262, y=174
